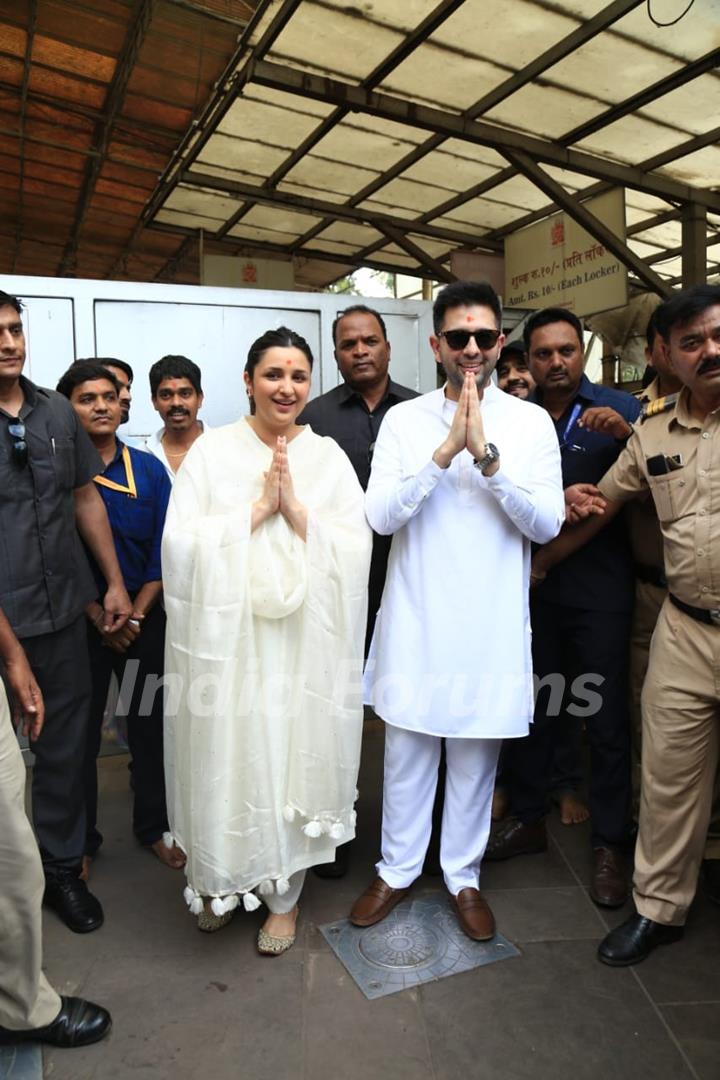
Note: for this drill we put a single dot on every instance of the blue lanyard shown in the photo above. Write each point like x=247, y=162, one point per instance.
x=572, y=420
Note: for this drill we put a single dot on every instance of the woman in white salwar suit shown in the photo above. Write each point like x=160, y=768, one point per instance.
x=266, y=556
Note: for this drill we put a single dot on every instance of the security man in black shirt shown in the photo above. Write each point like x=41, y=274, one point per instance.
x=47, y=502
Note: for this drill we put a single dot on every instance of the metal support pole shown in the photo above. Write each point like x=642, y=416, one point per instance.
x=694, y=244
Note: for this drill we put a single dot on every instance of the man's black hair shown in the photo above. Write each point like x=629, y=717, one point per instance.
x=175, y=367
x=6, y=300
x=684, y=306
x=466, y=294
x=84, y=371
x=104, y=361
x=359, y=309
x=551, y=315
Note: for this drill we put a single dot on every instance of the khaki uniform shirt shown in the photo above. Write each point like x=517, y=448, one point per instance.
x=645, y=537
x=687, y=497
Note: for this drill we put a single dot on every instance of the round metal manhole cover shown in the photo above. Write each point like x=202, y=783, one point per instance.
x=401, y=946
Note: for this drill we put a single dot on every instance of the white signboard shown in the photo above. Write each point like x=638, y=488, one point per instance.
x=556, y=263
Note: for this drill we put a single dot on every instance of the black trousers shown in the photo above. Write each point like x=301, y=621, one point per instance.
x=573, y=649
x=60, y=664
x=145, y=732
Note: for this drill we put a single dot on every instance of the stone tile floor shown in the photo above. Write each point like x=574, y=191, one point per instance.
x=188, y=1005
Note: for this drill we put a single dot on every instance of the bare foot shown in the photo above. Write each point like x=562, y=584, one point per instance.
x=84, y=874
x=282, y=926
x=573, y=809
x=500, y=804
x=172, y=857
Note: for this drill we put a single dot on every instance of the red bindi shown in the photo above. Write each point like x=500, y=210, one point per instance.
x=468, y=318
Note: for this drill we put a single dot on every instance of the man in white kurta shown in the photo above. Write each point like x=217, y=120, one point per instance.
x=464, y=478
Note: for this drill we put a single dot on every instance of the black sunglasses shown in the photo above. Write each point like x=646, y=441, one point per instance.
x=19, y=446
x=458, y=339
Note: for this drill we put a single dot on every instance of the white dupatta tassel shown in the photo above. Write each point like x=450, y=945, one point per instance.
x=282, y=885
x=313, y=829
x=193, y=900
x=289, y=813
x=168, y=840
x=337, y=831
x=250, y=901
x=266, y=888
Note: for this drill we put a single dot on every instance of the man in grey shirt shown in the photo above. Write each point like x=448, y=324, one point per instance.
x=47, y=503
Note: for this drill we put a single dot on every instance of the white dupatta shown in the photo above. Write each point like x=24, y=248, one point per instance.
x=263, y=664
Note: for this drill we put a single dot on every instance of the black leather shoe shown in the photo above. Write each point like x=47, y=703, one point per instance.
x=66, y=894
x=78, y=1023
x=512, y=837
x=338, y=867
x=635, y=939
x=711, y=879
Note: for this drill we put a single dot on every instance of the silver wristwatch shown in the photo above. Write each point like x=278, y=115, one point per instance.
x=491, y=454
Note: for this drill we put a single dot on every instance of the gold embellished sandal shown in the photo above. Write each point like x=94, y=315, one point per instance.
x=268, y=945
x=208, y=922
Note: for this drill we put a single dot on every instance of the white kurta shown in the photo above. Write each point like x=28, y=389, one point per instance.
x=450, y=655
x=264, y=650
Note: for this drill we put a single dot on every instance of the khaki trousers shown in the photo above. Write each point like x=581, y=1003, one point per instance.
x=648, y=602
x=26, y=998
x=681, y=739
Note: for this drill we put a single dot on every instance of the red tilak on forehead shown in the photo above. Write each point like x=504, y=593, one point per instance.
x=468, y=318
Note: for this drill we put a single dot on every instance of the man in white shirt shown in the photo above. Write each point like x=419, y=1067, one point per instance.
x=176, y=391
x=464, y=478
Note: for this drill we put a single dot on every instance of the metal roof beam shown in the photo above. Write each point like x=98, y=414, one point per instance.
x=673, y=253
x=237, y=244
x=230, y=84
x=322, y=207
x=428, y=26
x=651, y=93
x=694, y=245
x=588, y=221
x=171, y=266
x=698, y=142
x=557, y=52
x=475, y=132
x=104, y=129
x=435, y=268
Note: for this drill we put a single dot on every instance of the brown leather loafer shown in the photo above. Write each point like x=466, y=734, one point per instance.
x=609, y=886
x=376, y=902
x=511, y=837
x=474, y=914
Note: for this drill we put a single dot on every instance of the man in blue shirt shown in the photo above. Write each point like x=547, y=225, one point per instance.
x=135, y=490
x=581, y=617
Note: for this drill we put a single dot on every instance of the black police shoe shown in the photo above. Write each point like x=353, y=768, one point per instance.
x=66, y=894
x=635, y=939
x=711, y=879
x=78, y=1023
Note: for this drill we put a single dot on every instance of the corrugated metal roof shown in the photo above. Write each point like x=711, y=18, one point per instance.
x=385, y=134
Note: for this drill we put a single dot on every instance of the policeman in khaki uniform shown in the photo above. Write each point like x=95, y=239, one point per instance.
x=647, y=547
x=675, y=454
x=650, y=592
